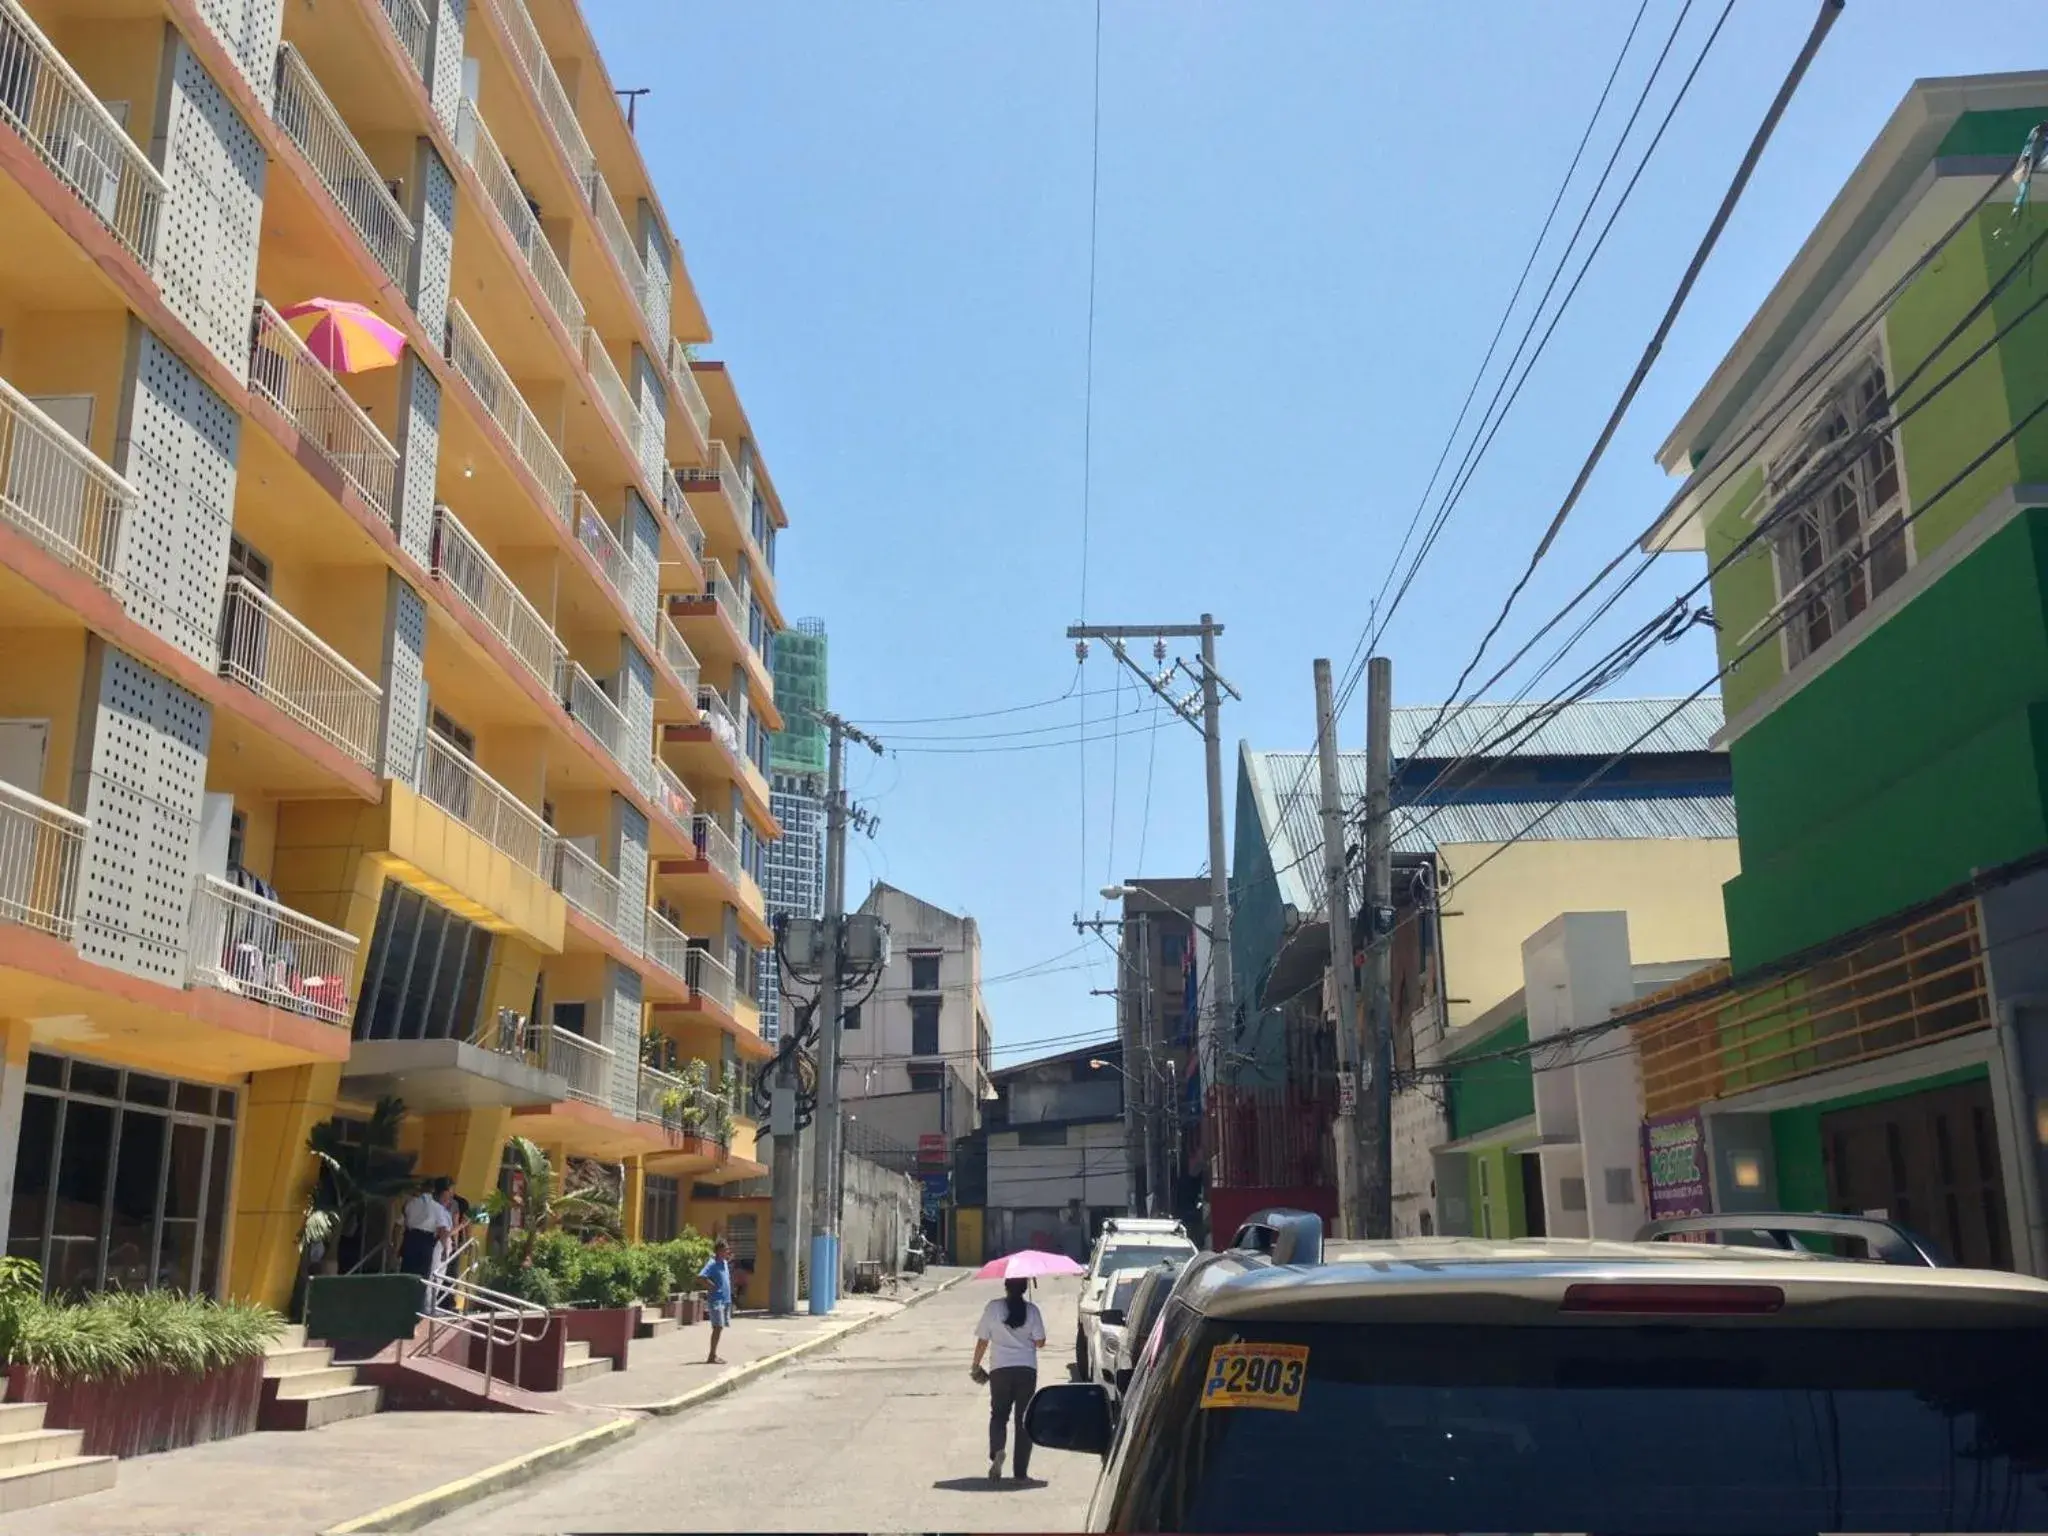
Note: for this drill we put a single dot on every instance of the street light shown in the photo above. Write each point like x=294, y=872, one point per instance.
x=1122, y=892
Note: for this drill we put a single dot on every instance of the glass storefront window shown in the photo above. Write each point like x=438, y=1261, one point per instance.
x=115, y=1188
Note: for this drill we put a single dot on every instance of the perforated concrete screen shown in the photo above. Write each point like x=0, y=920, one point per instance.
x=250, y=30
x=636, y=690
x=419, y=458
x=643, y=554
x=622, y=1034
x=405, y=683
x=206, y=248
x=629, y=847
x=434, y=251
x=445, y=83
x=145, y=780
x=178, y=444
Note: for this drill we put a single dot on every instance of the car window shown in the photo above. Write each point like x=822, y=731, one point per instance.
x=1585, y=1429
x=1135, y=1256
x=1121, y=1293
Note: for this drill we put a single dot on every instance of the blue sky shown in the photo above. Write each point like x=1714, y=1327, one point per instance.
x=1311, y=214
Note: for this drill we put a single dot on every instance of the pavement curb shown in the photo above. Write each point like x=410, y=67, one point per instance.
x=410, y=1514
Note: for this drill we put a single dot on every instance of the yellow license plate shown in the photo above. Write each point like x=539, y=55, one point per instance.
x=1256, y=1376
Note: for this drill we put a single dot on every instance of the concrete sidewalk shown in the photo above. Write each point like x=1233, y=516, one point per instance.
x=265, y=1484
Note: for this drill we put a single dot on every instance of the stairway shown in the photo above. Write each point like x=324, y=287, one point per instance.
x=41, y=1466
x=653, y=1325
x=579, y=1365
x=303, y=1388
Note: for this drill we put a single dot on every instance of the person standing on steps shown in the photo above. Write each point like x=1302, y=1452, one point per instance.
x=717, y=1274
x=1010, y=1335
x=426, y=1219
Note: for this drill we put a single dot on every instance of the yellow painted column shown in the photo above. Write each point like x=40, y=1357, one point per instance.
x=273, y=1177
x=634, y=1194
x=467, y=1146
x=14, y=1037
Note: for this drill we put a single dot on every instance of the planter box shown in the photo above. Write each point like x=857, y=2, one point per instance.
x=685, y=1309
x=607, y=1330
x=149, y=1411
x=536, y=1364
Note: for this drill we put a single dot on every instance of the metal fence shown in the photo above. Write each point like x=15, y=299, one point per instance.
x=468, y=571
x=40, y=848
x=274, y=656
x=456, y=784
x=55, y=491
x=253, y=947
x=313, y=123
x=285, y=372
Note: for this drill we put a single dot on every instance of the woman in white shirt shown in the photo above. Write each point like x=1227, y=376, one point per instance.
x=1010, y=1335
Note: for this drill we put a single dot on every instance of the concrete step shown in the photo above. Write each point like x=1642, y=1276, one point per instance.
x=21, y=1450
x=293, y=1337
x=584, y=1369
x=293, y=1362
x=311, y=1383
x=342, y=1403
x=575, y=1352
x=20, y=1418
x=45, y=1482
x=653, y=1327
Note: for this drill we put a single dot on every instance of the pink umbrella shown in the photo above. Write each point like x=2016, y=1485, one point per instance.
x=1031, y=1264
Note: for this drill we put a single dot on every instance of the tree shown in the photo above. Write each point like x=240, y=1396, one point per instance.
x=550, y=1205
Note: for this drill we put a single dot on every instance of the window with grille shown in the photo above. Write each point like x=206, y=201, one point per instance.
x=924, y=1029
x=1839, y=506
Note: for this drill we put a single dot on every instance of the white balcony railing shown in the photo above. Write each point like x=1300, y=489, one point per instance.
x=716, y=848
x=55, y=112
x=313, y=123
x=584, y=1064
x=711, y=979
x=673, y=797
x=611, y=389
x=598, y=894
x=681, y=659
x=285, y=372
x=508, y=199
x=666, y=946
x=718, y=716
x=592, y=707
x=723, y=476
x=618, y=239
x=689, y=394
x=539, y=70
x=677, y=505
x=250, y=946
x=726, y=593
x=40, y=848
x=54, y=490
x=456, y=784
x=508, y=408
x=408, y=19
x=471, y=574
x=277, y=658
x=596, y=536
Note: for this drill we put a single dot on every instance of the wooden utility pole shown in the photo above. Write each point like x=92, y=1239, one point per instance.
x=1378, y=1127
x=1351, y=1178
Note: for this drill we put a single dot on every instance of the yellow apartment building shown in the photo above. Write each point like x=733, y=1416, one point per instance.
x=395, y=731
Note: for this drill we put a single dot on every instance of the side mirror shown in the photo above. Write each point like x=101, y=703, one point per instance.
x=1070, y=1417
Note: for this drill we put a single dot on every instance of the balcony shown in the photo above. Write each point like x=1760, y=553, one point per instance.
x=57, y=115
x=501, y=187
x=596, y=536
x=689, y=394
x=584, y=1064
x=40, y=848
x=719, y=718
x=724, y=591
x=681, y=1108
x=598, y=894
x=473, y=576
x=711, y=980
x=462, y=789
x=508, y=408
x=611, y=389
x=681, y=659
x=723, y=476
x=716, y=848
x=408, y=20
x=666, y=945
x=618, y=239
x=284, y=371
x=677, y=505
x=55, y=491
x=539, y=70
x=674, y=800
x=275, y=657
x=500, y=1059
x=311, y=121
x=247, y=946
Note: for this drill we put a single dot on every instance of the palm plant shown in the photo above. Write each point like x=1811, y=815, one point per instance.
x=356, y=1180
x=550, y=1205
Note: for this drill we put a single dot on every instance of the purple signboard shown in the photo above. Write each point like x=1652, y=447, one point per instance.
x=1675, y=1162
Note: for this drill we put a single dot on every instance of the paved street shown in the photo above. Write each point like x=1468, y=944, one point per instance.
x=882, y=1432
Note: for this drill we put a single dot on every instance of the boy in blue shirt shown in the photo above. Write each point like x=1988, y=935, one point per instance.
x=717, y=1274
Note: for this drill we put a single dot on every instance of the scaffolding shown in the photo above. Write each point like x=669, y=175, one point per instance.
x=793, y=879
x=800, y=689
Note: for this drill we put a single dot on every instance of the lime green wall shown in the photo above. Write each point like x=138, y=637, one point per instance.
x=1795, y=1137
x=1743, y=591
x=1913, y=759
x=1484, y=1094
x=1990, y=133
x=1502, y=1196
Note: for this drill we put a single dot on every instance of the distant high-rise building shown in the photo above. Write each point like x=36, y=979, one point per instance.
x=795, y=883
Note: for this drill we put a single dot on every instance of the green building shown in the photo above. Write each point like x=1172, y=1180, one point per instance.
x=799, y=747
x=1867, y=474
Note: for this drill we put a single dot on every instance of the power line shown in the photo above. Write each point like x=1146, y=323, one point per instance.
x=991, y=714
x=1030, y=746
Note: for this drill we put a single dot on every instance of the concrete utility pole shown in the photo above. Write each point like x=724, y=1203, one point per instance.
x=1379, y=901
x=828, y=1145
x=1351, y=1179
x=1209, y=722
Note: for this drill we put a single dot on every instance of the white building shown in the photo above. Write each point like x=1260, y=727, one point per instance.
x=1056, y=1151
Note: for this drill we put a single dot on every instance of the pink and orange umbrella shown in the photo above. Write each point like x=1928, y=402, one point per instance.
x=345, y=336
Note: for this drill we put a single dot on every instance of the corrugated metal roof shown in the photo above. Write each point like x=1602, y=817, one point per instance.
x=1296, y=828
x=1593, y=728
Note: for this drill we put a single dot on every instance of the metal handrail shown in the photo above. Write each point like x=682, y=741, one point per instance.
x=284, y=371
x=722, y=475
x=315, y=124
x=592, y=707
x=580, y=1057
x=57, y=114
x=689, y=393
x=243, y=943
x=508, y=200
x=718, y=716
x=554, y=101
x=677, y=653
x=611, y=389
x=667, y=946
x=454, y=782
x=408, y=19
x=41, y=848
x=674, y=797
x=716, y=847
x=477, y=363
x=677, y=505
x=487, y=1321
x=724, y=591
x=597, y=893
x=611, y=228
x=596, y=536
x=712, y=978
x=277, y=658
x=472, y=575
x=55, y=489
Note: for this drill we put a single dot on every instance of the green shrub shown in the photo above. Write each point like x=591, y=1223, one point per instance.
x=653, y=1279
x=542, y=1287
x=683, y=1257
x=605, y=1277
x=119, y=1333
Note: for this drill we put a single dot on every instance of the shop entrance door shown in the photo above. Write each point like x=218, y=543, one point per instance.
x=1929, y=1161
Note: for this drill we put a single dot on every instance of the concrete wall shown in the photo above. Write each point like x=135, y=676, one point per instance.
x=875, y=1059
x=1419, y=1128
x=882, y=1209
x=1090, y=1168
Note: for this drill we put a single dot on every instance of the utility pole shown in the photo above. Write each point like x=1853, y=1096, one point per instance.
x=1379, y=901
x=1153, y=1129
x=1351, y=1179
x=828, y=1145
x=1208, y=720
